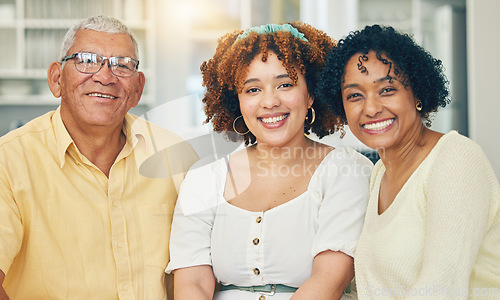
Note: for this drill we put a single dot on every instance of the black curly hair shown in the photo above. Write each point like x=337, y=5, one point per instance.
x=416, y=66
x=223, y=75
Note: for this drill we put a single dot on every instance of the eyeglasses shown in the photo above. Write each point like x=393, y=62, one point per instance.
x=90, y=63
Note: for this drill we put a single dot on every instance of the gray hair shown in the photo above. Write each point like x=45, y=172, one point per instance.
x=98, y=23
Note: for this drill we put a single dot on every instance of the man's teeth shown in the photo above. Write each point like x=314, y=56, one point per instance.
x=274, y=119
x=101, y=95
x=378, y=125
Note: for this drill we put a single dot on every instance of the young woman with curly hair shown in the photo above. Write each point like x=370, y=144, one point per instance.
x=279, y=219
x=432, y=225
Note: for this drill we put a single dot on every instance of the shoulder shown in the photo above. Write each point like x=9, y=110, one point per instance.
x=157, y=138
x=343, y=182
x=30, y=130
x=458, y=152
x=345, y=166
x=349, y=159
x=21, y=146
x=206, y=173
x=161, y=136
x=459, y=165
x=201, y=186
x=457, y=143
x=27, y=141
x=159, y=152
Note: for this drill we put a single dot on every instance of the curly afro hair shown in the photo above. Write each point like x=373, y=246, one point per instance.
x=224, y=73
x=418, y=69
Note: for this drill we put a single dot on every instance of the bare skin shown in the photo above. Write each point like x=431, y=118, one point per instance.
x=401, y=163
x=95, y=122
x=381, y=112
x=255, y=180
x=3, y=294
x=274, y=171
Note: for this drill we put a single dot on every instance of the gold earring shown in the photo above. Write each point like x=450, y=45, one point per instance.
x=342, y=131
x=419, y=105
x=234, y=126
x=313, y=115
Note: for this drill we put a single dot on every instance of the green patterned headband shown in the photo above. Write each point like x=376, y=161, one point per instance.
x=270, y=28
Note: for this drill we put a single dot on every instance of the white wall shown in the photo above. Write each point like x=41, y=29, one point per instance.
x=483, y=44
x=335, y=17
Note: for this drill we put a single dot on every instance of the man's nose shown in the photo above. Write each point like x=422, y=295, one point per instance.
x=105, y=75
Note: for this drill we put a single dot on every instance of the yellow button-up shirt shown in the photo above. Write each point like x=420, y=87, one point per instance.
x=69, y=232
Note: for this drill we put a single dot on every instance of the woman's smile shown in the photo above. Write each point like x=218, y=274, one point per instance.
x=273, y=106
x=378, y=126
x=273, y=120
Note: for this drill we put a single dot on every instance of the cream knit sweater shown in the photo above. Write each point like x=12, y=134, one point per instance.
x=440, y=238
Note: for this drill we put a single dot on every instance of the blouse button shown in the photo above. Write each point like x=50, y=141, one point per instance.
x=259, y=219
x=262, y=298
x=255, y=241
x=256, y=271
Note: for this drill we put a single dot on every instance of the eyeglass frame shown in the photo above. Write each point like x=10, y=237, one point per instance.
x=72, y=56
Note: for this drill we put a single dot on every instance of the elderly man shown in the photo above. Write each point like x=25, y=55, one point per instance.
x=83, y=214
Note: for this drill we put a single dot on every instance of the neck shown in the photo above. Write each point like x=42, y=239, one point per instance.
x=99, y=144
x=283, y=154
x=408, y=153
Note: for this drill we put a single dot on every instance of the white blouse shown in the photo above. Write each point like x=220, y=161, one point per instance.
x=276, y=246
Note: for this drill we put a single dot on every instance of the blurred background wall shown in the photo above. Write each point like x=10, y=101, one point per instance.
x=176, y=36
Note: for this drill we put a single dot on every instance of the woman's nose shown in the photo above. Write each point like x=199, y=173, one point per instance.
x=372, y=106
x=269, y=99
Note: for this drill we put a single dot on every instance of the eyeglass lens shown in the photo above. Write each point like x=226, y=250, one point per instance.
x=91, y=63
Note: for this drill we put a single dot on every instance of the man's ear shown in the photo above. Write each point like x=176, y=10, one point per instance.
x=54, y=78
x=139, y=88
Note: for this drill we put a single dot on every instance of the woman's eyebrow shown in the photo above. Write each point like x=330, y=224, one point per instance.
x=282, y=76
x=350, y=85
x=386, y=78
x=250, y=80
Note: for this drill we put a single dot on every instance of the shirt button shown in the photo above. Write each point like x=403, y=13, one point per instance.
x=259, y=219
x=262, y=298
x=125, y=287
x=120, y=245
x=115, y=203
x=256, y=271
x=255, y=241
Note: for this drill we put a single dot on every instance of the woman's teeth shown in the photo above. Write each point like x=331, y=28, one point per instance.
x=274, y=119
x=378, y=125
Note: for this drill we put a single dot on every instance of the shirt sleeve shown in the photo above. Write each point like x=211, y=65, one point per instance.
x=459, y=191
x=11, y=227
x=345, y=192
x=190, y=238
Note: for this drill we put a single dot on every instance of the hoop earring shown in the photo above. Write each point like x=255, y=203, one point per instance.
x=234, y=126
x=313, y=115
x=419, y=105
x=342, y=131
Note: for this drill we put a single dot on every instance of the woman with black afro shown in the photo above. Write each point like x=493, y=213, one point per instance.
x=279, y=218
x=432, y=226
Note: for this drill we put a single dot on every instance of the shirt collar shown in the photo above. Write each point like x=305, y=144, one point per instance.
x=63, y=139
x=133, y=134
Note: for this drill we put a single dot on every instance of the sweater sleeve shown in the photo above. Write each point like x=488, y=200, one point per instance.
x=458, y=193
